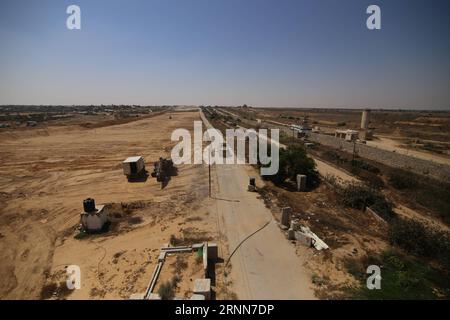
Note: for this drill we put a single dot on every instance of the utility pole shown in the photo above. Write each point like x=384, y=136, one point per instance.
x=209, y=171
x=353, y=155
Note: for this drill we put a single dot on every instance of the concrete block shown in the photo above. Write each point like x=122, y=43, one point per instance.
x=177, y=249
x=291, y=234
x=203, y=287
x=162, y=256
x=318, y=243
x=375, y=215
x=137, y=296
x=303, y=239
x=197, y=297
x=213, y=251
x=251, y=188
x=154, y=296
x=197, y=246
x=301, y=182
x=286, y=214
x=295, y=225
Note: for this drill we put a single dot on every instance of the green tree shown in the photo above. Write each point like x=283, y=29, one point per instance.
x=294, y=160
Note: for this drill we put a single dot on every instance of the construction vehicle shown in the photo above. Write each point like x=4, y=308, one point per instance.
x=163, y=170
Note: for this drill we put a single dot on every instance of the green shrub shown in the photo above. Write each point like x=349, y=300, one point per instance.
x=166, y=290
x=400, y=179
x=366, y=166
x=81, y=235
x=421, y=240
x=334, y=156
x=359, y=196
x=384, y=209
x=294, y=160
x=403, y=278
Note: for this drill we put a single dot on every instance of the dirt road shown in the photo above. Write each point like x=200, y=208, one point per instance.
x=266, y=265
x=324, y=168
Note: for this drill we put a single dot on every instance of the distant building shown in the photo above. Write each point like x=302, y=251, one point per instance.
x=300, y=130
x=348, y=135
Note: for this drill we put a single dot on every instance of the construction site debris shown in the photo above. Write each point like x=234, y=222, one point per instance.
x=303, y=239
x=317, y=242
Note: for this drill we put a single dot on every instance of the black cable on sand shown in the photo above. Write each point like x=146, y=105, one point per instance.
x=240, y=243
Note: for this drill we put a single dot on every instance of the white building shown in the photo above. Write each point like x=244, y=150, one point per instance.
x=348, y=135
x=94, y=221
x=133, y=166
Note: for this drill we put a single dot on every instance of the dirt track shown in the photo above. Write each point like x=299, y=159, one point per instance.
x=265, y=266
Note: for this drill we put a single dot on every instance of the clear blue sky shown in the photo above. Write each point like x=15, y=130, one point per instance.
x=315, y=53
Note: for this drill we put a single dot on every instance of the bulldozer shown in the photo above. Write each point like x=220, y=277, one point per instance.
x=163, y=170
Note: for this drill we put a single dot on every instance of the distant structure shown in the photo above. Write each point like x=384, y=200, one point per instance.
x=300, y=130
x=365, y=119
x=365, y=133
x=348, y=135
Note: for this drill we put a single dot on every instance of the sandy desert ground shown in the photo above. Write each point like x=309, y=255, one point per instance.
x=45, y=173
